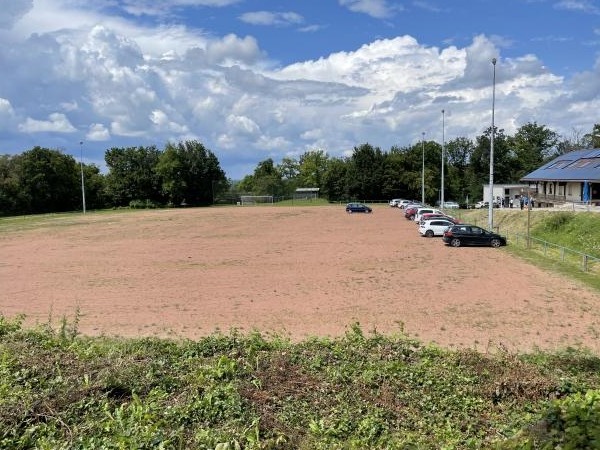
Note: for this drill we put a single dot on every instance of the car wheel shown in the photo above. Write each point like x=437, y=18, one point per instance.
x=495, y=243
x=429, y=233
x=455, y=242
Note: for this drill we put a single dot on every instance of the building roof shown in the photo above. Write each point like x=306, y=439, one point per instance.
x=578, y=165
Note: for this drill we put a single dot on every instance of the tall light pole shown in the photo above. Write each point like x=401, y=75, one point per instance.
x=443, y=156
x=81, y=168
x=423, y=168
x=491, y=197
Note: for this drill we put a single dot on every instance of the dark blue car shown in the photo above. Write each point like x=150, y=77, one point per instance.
x=358, y=207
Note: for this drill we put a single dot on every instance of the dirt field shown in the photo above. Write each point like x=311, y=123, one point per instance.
x=294, y=271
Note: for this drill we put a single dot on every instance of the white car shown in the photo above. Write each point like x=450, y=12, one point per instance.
x=422, y=211
x=451, y=205
x=434, y=227
x=394, y=202
x=402, y=203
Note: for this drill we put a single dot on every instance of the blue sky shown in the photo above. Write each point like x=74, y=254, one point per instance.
x=257, y=79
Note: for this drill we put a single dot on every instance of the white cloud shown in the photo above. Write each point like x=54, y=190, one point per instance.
x=380, y=9
x=145, y=85
x=12, y=11
x=585, y=6
x=56, y=123
x=97, y=132
x=272, y=18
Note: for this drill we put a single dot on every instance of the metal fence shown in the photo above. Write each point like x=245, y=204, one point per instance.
x=585, y=262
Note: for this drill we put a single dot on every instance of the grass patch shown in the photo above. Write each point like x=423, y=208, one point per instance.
x=578, y=231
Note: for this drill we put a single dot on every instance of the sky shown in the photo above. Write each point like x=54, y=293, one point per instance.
x=258, y=79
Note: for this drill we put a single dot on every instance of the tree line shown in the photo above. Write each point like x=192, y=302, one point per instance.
x=44, y=180
x=373, y=174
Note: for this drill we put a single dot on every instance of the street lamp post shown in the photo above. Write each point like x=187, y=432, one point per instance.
x=423, y=168
x=529, y=217
x=491, y=196
x=443, y=157
x=81, y=168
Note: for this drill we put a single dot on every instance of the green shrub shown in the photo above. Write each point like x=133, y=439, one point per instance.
x=143, y=204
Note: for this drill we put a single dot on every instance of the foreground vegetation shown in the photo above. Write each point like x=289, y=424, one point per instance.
x=228, y=391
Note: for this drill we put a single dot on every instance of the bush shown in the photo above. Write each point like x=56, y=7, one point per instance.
x=143, y=204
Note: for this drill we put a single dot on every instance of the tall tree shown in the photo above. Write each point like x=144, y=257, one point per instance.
x=458, y=157
x=335, y=180
x=132, y=175
x=190, y=173
x=312, y=168
x=48, y=181
x=267, y=179
x=365, y=174
x=11, y=196
x=593, y=138
x=533, y=145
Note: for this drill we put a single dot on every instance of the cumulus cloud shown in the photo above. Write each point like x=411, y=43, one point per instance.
x=12, y=11
x=116, y=82
x=97, y=132
x=56, y=123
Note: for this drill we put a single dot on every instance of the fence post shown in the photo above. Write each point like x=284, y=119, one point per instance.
x=585, y=263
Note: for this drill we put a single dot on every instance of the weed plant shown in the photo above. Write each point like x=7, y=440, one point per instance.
x=60, y=390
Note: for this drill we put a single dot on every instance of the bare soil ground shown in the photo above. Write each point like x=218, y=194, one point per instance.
x=294, y=271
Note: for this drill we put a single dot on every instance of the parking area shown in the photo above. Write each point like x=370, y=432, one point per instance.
x=297, y=271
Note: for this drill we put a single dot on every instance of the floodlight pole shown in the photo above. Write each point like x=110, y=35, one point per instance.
x=81, y=168
x=491, y=195
x=443, y=157
x=423, y=168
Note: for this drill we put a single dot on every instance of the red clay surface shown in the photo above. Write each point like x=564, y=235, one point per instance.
x=295, y=271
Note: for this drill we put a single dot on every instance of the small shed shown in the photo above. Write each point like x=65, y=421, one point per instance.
x=306, y=193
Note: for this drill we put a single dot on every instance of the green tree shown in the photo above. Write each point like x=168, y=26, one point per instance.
x=267, y=179
x=392, y=184
x=312, y=168
x=365, y=174
x=289, y=169
x=132, y=175
x=11, y=198
x=48, y=181
x=190, y=173
x=458, y=156
x=334, y=183
x=532, y=145
x=593, y=139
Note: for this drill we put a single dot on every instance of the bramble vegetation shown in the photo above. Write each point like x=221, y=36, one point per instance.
x=60, y=390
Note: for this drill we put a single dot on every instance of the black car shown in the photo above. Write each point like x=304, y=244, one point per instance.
x=463, y=234
x=358, y=207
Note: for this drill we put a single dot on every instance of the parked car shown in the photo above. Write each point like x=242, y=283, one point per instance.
x=434, y=227
x=394, y=202
x=450, y=205
x=422, y=211
x=483, y=204
x=403, y=203
x=358, y=207
x=410, y=211
x=464, y=234
x=430, y=216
